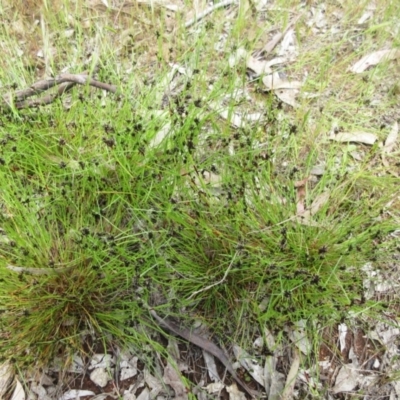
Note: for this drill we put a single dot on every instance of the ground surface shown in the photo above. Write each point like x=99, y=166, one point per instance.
x=238, y=177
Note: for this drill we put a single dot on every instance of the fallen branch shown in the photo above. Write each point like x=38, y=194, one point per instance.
x=65, y=81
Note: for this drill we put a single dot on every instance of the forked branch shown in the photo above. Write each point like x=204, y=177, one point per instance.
x=20, y=99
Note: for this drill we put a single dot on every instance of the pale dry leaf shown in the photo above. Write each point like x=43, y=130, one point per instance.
x=391, y=140
x=173, y=349
x=270, y=339
x=346, y=380
x=101, y=361
x=103, y=396
x=318, y=170
x=365, y=17
x=306, y=217
x=40, y=391
x=302, y=183
x=272, y=43
x=6, y=377
x=19, y=392
x=288, y=45
x=215, y=387
x=260, y=4
x=39, y=271
x=207, y=11
x=127, y=372
x=240, y=55
x=275, y=81
x=356, y=137
x=44, y=379
x=68, y=33
x=300, y=199
x=128, y=365
x=288, y=392
x=235, y=119
x=100, y=377
x=251, y=365
x=342, y=328
x=288, y=96
x=357, y=155
x=161, y=3
x=299, y=337
x=152, y=382
x=258, y=343
x=269, y=371
x=235, y=393
x=300, y=195
x=319, y=202
x=162, y=134
x=387, y=334
x=260, y=67
x=211, y=366
x=318, y=17
x=173, y=379
x=277, y=385
x=76, y=394
x=374, y=58
x=368, y=13
x=144, y=395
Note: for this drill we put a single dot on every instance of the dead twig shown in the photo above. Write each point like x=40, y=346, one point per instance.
x=39, y=271
x=270, y=46
x=65, y=81
x=216, y=283
x=204, y=344
x=209, y=10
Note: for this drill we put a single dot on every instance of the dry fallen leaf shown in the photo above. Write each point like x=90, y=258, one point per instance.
x=260, y=67
x=289, y=44
x=235, y=393
x=390, y=143
x=153, y=383
x=346, y=380
x=299, y=337
x=373, y=59
x=319, y=201
x=211, y=366
x=288, y=96
x=288, y=392
x=300, y=195
x=368, y=13
x=235, y=119
x=215, y=387
x=275, y=81
x=357, y=137
x=6, y=377
x=19, y=393
x=392, y=138
x=318, y=17
x=251, y=365
x=173, y=379
x=234, y=59
x=306, y=217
